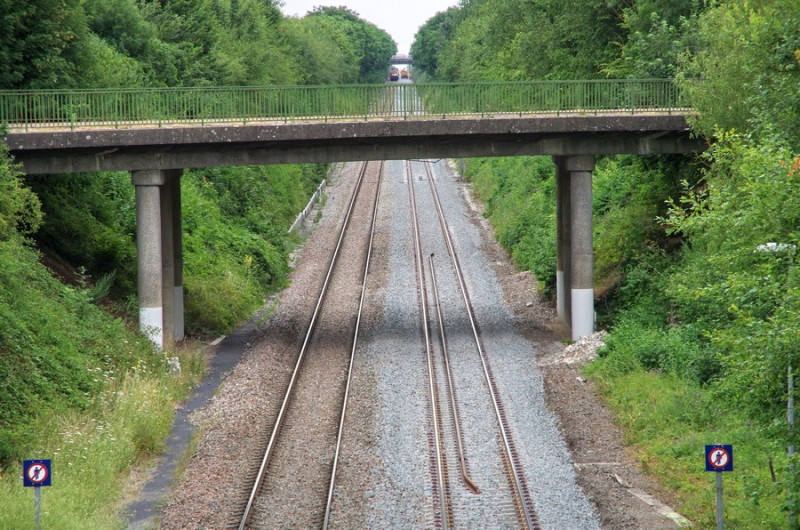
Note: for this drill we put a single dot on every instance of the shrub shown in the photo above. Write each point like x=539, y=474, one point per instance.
x=519, y=194
x=57, y=349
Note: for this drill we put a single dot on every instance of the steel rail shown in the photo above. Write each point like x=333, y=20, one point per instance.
x=298, y=363
x=517, y=474
x=340, y=433
x=450, y=387
x=440, y=471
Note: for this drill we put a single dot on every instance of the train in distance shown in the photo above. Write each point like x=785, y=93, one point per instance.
x=395, y=74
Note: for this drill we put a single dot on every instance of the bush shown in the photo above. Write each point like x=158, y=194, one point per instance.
x=57, y=349
x=519, y=194
x=90, y=222
x=236, y=240
x=744, y=300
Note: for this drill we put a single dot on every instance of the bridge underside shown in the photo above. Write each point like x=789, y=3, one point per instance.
x=180, y=147
x=157, y=156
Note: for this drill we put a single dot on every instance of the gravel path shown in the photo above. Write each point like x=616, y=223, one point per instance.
x=385, y=478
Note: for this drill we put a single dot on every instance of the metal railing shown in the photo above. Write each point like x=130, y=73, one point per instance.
x=170, y=106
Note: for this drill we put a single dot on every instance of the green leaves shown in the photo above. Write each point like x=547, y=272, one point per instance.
x=40, y=43
x=519, y=40
x=20, y=212
x=742, y=294
x=750, y=69
x=372, y=46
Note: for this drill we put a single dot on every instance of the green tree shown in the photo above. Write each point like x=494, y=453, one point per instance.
x=659, y=33
x=431, y=39
x=372, y=45
x=121, y=24
x=749, y=63
x=323, y=50
x=745, y=300
x=530, y=39
x=41, y=43
x=191, y=29
x=253, y=50
x=20, y=209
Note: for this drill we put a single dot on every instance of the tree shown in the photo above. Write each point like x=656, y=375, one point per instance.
x=20, y=210
x=659, y=34
x=372, y=45
x=253, y=51
x=121, y=24
x=191, y=29
x=41, y=43
x=528, y=39
x=430, y=41
x=749, y=63
x=323, y=50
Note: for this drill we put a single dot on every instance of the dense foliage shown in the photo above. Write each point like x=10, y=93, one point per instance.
x=372, y=46
x=69, y=349
x=494, y=39
x=108, y=43
x=750, y=66
x=695, y=257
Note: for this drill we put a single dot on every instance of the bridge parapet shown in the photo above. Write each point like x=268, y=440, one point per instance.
x=125, y=108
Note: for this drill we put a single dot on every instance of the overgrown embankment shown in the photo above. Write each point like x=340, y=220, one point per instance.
x=78, y=382
x=695, y=257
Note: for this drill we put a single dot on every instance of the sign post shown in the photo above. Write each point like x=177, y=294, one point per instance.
x=719, y=459
x=35, y=474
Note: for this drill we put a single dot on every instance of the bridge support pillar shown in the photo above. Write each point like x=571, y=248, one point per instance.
x=563, y=305
x=177, y=244
x=159, y=257
x=575, y=256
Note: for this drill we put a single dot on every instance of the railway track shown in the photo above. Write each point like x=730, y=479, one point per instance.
x=296, y=476
x=296, y=472
x=447, y=431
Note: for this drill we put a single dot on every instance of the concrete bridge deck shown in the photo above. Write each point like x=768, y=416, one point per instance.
x=94, y=149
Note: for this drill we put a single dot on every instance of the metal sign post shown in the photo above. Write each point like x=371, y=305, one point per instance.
x=37, y=506
x=36, y=474
x=719, y=459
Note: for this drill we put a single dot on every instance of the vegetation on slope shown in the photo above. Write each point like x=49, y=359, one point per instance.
x=78, y=382
x=695, y=257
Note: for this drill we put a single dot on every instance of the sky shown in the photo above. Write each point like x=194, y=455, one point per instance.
x=399, y=18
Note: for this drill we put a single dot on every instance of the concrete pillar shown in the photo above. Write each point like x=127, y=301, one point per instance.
x=581, y=250
x=177, y=244
x=563, y=304
x=160, y=255
x=149, y=253
x=167, y=263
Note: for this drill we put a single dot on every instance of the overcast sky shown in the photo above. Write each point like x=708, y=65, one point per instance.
x=399, y=18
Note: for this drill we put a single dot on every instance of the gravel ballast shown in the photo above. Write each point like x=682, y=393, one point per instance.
x=385, y=479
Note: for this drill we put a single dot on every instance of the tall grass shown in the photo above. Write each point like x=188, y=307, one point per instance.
x=668, y=422
x=92, y=451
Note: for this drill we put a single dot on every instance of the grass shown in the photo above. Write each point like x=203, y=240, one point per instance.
x=93, y=451
x=668, y=422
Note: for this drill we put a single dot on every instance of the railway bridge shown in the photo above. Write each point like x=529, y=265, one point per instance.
x=156, y=134
x=402, y=59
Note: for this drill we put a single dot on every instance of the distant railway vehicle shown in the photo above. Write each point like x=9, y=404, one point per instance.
x=394, y=74
x=404, y=73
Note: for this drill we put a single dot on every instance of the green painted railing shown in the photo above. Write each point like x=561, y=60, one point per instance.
x=131, y=107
